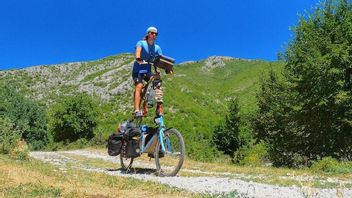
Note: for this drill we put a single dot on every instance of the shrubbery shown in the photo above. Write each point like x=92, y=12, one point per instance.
x=331, y=165
x=23, y=118
x=20, y=151
x=73, y=118
x=8, y=135
x=252, y=155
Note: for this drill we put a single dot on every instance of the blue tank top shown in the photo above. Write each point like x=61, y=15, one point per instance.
x=148, y=53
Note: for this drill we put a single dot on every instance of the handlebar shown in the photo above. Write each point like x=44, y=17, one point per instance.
x=152, y=63
x=155, y=59
x=146, y=62
x=166, y=64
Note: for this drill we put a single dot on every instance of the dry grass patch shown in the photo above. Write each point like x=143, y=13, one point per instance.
x=35, y=179
x=268, y=175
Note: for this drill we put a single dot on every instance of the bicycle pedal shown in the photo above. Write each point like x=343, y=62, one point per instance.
x=138, y=114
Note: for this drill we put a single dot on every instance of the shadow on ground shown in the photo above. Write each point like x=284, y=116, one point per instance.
x=148, y=171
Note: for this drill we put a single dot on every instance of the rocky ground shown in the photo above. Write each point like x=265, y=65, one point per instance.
x=205, y=182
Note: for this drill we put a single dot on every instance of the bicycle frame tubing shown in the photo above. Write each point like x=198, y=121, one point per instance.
x=160, y=134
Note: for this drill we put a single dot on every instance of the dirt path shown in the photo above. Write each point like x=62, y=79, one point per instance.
x=210, y=183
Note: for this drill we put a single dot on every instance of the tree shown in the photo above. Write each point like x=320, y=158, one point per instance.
x=312, y=118
x=8, y=135
x=226, y=135
x=28, y=118
x=273, y=121
x=73, y=117
x=318, y=62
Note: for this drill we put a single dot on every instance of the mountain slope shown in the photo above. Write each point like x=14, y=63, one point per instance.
x=195, y=96
x=105, y=78
x=198, y=94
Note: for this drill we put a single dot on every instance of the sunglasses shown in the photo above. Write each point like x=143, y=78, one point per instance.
x=154, y=33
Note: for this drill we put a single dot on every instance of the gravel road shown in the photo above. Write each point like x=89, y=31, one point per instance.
x=212, y=183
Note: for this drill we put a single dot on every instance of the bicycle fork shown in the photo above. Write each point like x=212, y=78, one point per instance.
x=161, y=133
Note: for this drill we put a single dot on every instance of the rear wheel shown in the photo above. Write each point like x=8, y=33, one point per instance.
x=170, y=162
x=126, y=163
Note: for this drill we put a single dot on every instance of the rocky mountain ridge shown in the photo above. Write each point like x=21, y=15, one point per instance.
x=105, y=78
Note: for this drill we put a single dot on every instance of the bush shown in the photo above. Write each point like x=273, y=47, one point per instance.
x=252, y=155
x=28, y=118
x=331, y=165
x=327, y=164
x=20, y=152
x=79, y=144
x=73, y=118
x=8, y=135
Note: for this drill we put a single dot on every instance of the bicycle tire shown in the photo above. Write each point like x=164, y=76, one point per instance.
x=174, y=155
x=126, y=165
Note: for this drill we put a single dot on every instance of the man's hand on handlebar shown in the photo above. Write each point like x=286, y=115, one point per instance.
x=139, y=60
x=142, y=62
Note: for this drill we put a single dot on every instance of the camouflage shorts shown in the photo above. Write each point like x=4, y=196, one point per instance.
x=158, y=90
x=159, y=94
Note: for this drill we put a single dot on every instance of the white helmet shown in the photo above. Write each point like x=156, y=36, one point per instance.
x=152, y=29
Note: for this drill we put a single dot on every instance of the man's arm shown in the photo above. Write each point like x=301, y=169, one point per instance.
x=138, y=55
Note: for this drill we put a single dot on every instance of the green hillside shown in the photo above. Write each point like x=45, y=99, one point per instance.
x=195, y=96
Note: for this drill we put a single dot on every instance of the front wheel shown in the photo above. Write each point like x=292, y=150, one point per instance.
x=170, y=162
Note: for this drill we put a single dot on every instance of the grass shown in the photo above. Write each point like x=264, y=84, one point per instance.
x=200, y=99
x=267, y=175
x=96, y=74
x=31, y=190
x=35, y=179
x=271, y=175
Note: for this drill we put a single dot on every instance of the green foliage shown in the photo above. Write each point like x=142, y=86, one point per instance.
x=79, y=144
x=307, y=115
x=195, y=101
x=327, y=164
x=319, y=64
x=29, y=119
x=253, y=155
x=231, y=194
x=226, y=135
x=331, y=165
x=32, y=190
x=21, y=151
x=73, y=117
x=96, y=74
x=272, y=122
x=8, y=135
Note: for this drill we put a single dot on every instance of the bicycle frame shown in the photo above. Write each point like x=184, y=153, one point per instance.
x=161, y=123
x=159, y=134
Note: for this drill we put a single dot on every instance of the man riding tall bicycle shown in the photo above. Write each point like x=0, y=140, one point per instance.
x=146, y=52
x=164, y=144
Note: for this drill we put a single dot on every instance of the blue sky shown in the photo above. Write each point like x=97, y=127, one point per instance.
x=38, y=32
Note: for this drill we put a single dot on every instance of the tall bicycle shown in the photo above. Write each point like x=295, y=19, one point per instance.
x=166, y=145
